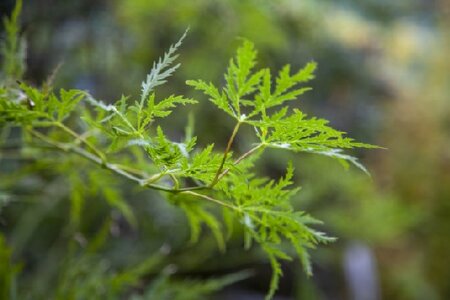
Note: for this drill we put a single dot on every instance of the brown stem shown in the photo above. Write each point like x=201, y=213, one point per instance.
x=225, y=154
x=239, y=159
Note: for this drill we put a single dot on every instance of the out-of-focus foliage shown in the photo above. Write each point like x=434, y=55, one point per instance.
x=383, y=74
x=8, y=271
x=13, y=47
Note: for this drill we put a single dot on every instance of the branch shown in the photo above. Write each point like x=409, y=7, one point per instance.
x=78, y=137
x=144, y=182
x=82, y=139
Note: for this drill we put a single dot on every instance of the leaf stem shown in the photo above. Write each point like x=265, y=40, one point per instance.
x=132, y=170
x=175, y=181
x=225, y=154
x=206, y=197
x=82, y=139
x=80, y=151
x=241, y=158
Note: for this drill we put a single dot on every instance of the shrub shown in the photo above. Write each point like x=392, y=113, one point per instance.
x=217, y=189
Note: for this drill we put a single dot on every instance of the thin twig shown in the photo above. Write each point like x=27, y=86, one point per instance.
x=239, y=159
x=225, y=154
x=82, y=139
x=212, y=200
x=132, y=170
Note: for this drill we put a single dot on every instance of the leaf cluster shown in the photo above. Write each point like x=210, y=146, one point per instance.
x=215, y=189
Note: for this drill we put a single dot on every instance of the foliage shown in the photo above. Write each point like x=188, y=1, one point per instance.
x=166, y=288
x=13, y=47
x=8, y=271
x=125, y=139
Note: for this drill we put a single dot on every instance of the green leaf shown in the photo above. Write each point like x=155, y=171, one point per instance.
x=216, y=97
x=69, y=100
x=197, y=216
x=162, y=109
x=161, y=69
x=239, y=82
x=108, y=187
x=13, y=47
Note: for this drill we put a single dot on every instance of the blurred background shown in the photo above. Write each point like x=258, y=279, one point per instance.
x=383, y=77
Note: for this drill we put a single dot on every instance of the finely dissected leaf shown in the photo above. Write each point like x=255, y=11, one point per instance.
x=299, y=134
x=285, y=81
x=162, y=108
x=216, y=97
x=161, y=70
x=241, y=82
x=164, y=152
x=69, y=99
x=203, y=165
x=198, y=215
x=274, y=255
x=237, y=75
